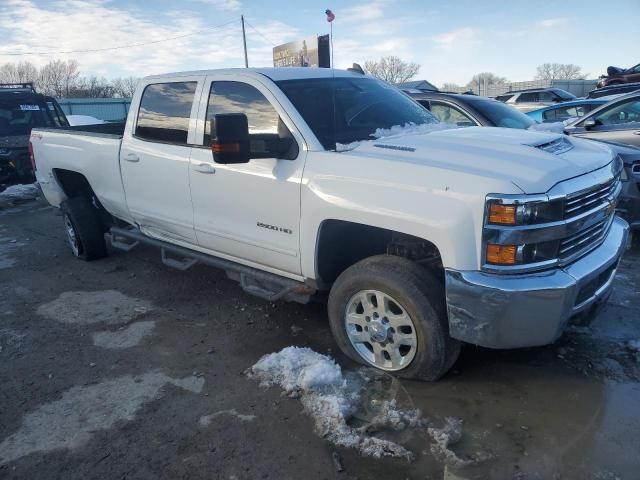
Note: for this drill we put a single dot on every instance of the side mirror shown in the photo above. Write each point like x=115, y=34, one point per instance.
x=231, y=143
x=589, y=123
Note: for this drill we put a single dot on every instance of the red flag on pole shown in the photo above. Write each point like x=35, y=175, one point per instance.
x=330, y=16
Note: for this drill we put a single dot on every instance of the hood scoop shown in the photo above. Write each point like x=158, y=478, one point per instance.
x=556, y=147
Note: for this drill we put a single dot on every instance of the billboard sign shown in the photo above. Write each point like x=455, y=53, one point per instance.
x=312, y=51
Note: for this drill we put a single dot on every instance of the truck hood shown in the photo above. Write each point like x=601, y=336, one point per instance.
x=533, y=161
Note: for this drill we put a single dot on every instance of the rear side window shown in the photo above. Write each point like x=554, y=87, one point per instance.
x=165, y=110
x=504, y=98
x=528, y=97
x=238, y=97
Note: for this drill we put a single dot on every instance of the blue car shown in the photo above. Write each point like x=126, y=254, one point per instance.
x=562, y=111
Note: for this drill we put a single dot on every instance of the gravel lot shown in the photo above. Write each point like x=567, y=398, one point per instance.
x=124, y=368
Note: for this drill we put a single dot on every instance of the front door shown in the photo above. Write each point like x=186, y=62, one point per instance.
x=247, y=212
x=619, y=122
x=154, y=160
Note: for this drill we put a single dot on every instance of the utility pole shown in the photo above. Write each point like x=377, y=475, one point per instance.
x=244, y=43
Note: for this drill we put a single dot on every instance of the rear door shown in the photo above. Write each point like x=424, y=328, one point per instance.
x=154, y=158
x=619, y=122
x=247, y=212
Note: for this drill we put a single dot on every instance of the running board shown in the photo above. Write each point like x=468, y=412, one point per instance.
x=268, y=286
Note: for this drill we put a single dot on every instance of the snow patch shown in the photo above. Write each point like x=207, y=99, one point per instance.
x=331, y=399
x=397, y=131
x=20, y=192
x=207, y=420
x=125, y=337
x=554, y=127
x=109, y=306
x=71, y=421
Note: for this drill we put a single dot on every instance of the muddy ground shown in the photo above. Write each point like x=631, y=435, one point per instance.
x=124, y=368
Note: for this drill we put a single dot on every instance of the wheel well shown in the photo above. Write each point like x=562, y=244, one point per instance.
x=73, y=184
x=341, y=244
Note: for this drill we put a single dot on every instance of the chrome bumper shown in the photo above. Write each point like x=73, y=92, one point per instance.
x=511, y=311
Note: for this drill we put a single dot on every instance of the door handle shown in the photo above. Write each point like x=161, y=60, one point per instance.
x=204, y=168
x=132, y=157
x=637, y=132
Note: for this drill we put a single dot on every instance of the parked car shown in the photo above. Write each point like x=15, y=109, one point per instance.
x=21, y=109
x=617, y=76
x=467, y=110
x=423, y=237
x=617, y=121
x=534, y=98
x=614, y=90
x=565, y=110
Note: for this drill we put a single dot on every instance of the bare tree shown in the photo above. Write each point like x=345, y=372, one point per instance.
x=485, y=80
x=125, y=87
x=392, y=69
x=18, y=72
x=57, y=78
x=451, y=87
x=92, y=87
x=559, y=71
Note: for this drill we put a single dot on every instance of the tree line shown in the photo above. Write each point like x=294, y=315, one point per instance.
x=393, y=69
x=60, y=78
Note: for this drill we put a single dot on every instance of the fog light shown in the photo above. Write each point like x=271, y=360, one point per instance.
x=501, y=254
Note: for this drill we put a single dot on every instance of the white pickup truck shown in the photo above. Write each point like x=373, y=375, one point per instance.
x=301, y=180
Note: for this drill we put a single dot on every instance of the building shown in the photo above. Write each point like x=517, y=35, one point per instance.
x=422, y=85
x=578, y=87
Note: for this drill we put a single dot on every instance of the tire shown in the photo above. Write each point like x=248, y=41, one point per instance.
x=407, y=290
x=85, y=232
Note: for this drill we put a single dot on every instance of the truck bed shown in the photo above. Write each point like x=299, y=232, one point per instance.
x=92, y=151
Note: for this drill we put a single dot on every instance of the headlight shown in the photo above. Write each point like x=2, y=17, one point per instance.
x=508, y=219
x=504, y=211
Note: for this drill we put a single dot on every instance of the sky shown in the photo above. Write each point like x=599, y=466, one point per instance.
x=451, y=41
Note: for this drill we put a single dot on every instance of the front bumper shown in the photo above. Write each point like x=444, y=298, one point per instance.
x=511, y=311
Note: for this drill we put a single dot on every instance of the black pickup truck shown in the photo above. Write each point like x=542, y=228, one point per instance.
x=21, y=109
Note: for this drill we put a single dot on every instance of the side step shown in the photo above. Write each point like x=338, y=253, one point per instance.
x=268, y=286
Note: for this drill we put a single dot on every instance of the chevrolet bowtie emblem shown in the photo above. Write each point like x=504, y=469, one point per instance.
x=611, y=208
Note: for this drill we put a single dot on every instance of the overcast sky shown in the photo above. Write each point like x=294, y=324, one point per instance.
x=450, y=40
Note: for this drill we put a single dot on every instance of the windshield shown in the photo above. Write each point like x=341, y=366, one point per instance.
x=345, y=109
x=501, y=115
x=20, y=113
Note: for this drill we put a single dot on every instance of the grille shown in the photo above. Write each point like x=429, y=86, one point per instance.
x=590, y=198
x=582, y=241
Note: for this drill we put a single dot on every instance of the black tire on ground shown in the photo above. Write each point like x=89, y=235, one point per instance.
x=83, y=218
x=422, y=297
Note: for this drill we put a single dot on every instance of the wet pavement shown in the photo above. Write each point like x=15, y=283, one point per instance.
x=124, y=368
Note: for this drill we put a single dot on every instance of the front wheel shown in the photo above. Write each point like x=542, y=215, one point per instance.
x=390, y=313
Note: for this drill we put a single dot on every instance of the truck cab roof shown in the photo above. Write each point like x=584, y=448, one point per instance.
x=275, y=74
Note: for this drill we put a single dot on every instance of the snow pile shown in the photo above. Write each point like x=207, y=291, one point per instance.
x=336, y=402
x=553, y=127
x=411, y=129
x=20, y=192
x=397, y=131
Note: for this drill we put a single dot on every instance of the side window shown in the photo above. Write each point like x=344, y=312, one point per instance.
x=546, y=97
x=528, y=97
x=625, y=112
x=549, y=116
x=238, y=97
x=449, y=114
x=503, y=98
x=164, y=112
